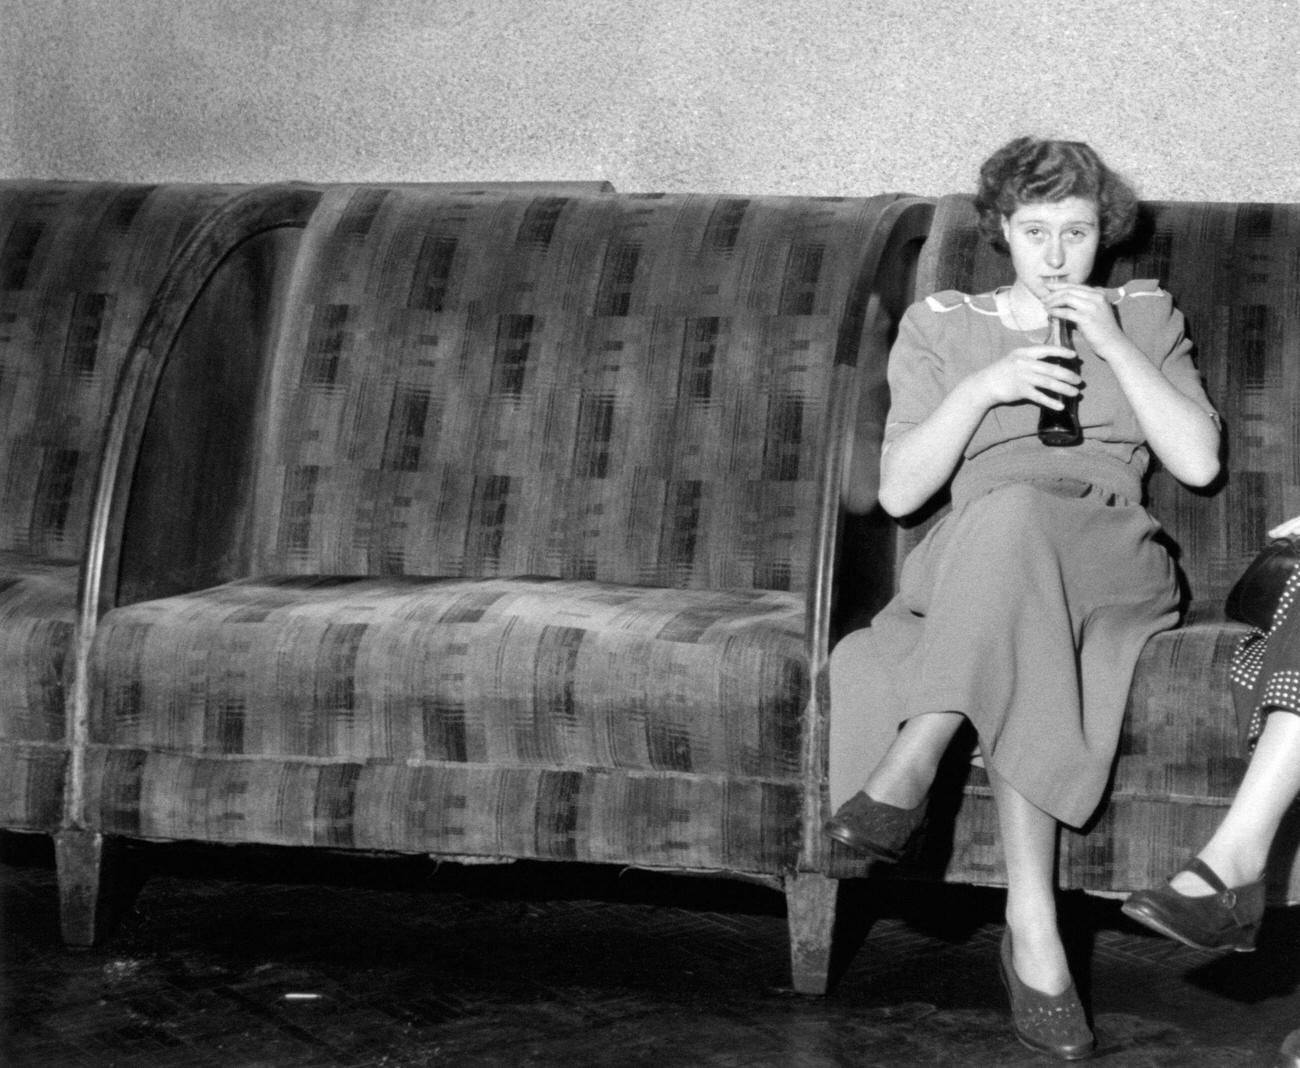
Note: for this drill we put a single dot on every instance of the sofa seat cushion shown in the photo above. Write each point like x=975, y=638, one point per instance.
x=1180, y=739
x=501, y=672
x=524, y=717
x=38, y=607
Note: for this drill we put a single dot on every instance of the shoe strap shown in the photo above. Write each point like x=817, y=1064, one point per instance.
x=1231, y=898
x=1198, y=867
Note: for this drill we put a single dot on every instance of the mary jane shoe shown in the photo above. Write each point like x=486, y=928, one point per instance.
x=1226, y=919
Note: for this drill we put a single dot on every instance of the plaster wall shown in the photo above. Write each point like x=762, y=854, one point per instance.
x=1193, y=99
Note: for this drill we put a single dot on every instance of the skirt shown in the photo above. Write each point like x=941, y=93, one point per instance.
x=1025, y=609
x=1265, y=668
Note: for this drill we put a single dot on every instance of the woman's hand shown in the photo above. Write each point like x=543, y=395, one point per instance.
x=1025, y=375
x=914, y=465
x=1091, y=313
x=1183, y=435
x=1285, y=530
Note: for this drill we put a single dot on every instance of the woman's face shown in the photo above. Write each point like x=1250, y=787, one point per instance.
x=1054, y=241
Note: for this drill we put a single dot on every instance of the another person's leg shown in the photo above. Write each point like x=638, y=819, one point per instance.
x=1239, y=847
x=1217, y=901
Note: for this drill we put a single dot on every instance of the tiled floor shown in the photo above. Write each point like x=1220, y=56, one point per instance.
x=276, y=958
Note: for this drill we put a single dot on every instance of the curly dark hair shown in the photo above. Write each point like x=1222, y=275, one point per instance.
x=1033, y=170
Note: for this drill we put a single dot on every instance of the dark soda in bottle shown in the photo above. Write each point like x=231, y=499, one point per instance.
x=1060, y=427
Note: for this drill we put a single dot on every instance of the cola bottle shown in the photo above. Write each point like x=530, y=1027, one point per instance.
x=1060, y=427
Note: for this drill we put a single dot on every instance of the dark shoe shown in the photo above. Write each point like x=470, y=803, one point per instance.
x=1226, y=919
x=881, y=831
x=1289, y=1055
x=1054, y=1024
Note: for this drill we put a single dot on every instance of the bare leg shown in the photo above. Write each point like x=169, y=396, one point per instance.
x=1239, y=847
x=905, y=773
x=1029, y=837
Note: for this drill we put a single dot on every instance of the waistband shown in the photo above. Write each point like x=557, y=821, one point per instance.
x=1071, y=472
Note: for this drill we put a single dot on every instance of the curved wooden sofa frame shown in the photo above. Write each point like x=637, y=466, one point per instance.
x=861, y=361
x=247, y=216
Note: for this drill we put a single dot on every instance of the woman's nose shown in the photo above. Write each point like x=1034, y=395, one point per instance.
x=1055, y=252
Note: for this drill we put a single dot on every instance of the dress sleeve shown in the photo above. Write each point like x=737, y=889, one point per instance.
x=916, y=379
x=1168, y=347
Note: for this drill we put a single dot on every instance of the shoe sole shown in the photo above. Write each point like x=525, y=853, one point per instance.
x=1051, y=1051
x=1157, y=924
x=868, y=849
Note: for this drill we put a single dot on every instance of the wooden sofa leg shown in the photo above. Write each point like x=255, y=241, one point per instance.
x=79, y=856
x=810, y=907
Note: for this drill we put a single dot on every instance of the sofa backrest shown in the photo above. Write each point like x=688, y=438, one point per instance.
x=1234, y=271
x=628, y=388
x=79, y=263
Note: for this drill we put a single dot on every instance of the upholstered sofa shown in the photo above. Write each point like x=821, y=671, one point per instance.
x=518, y=542
x=504, y=523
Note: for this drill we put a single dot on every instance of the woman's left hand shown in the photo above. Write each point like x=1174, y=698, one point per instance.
x=1090, y=312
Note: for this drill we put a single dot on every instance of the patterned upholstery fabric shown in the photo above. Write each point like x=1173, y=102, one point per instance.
x=38, y=601
x=560, y=386
x=79, y=262
x=533, y=540
x=523, y=671
x=596, y=815
x=1233, y=271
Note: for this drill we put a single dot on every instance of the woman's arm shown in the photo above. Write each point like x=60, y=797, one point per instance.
x=1180, y=432
x=915, y=465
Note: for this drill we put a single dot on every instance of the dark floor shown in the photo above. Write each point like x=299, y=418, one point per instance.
x=291, y=958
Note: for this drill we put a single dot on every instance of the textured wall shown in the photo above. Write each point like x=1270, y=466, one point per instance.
x=1194, y=99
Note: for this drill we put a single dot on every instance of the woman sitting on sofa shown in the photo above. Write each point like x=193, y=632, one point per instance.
x=1217, y=900
x=1025, y=608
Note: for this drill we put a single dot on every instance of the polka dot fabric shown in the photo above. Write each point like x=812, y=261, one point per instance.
x=1266, y=667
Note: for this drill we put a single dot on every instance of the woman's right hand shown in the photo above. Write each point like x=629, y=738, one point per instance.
x=1024, y=375
x=1285, y=530
x=915, y=464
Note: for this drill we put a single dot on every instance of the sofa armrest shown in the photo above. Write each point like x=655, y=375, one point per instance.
x=857, y=419
x=236, y=221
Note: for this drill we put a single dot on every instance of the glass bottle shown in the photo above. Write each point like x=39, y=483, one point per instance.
x=1060, y=427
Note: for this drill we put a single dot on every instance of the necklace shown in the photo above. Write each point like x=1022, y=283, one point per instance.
x=1011, y=307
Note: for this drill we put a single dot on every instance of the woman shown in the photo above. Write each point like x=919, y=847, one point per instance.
x=1217, y=900
x=1025, y=608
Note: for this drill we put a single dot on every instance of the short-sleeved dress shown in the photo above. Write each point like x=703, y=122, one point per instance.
x=1025, y=607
